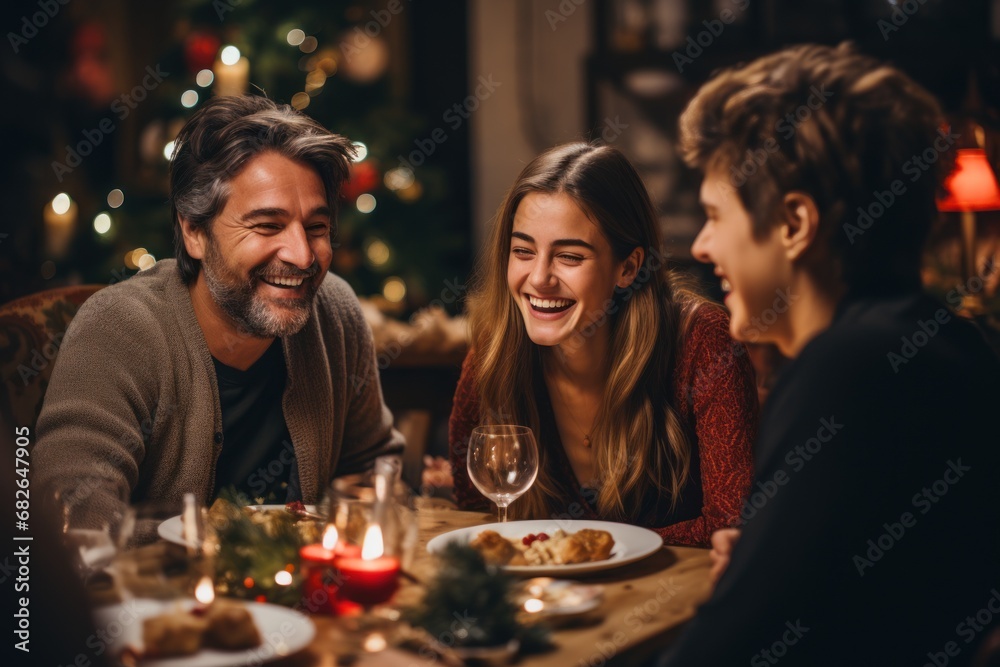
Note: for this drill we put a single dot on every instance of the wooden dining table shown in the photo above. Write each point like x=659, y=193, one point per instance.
x=646, y=603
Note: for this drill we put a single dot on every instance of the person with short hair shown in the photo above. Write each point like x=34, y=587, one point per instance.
x=642, y=405
x=870, y=534
x=243, y=363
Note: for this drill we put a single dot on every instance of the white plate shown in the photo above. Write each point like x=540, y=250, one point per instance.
x=632, y=543
x=170, y=530
x=283, y=631
x=561, y=597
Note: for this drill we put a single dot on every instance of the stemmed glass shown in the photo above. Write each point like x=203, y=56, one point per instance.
x=503, y=463
x=148, y=567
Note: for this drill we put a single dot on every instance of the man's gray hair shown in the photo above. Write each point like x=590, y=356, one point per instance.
x=222, y=137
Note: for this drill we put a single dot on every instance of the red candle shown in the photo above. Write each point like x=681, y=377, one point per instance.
x=368, y=582
x=317, y=593
x=319, y=586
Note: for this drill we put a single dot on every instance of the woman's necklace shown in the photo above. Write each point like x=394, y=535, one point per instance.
x=562, y=399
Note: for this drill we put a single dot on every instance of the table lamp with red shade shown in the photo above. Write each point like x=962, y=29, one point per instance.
x=971, y=187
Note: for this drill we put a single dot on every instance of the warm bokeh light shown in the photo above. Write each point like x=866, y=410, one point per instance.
x=230, y=55
x=394, y=289
x=533, y=605
x=295, y=37
x=377, y=252
x=300, y=101
x=283, y=578
x=189, y=98
x=116, y=198
x=366, y=203
x=102, y=223
x=61, y=203
x=375, y=642
x=145, y=261
x=132, y=257
x=168, y=150
x=317, y=77
x=362, y=151
x=308, y=44
x=398, y=178
x=411, y=193
x=328, y=65
x=205, y=78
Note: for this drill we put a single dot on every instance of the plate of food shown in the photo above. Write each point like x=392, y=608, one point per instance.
x=553, y=547
x=154, y=633
x=171, y=529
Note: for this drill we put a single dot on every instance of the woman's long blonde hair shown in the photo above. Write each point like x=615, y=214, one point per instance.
x=641, y=445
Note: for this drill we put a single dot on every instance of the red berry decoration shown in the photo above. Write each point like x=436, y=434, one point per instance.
x=528, y=539
x=199, y=51
x=542, y=537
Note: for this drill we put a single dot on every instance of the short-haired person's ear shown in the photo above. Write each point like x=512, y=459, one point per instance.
x=194, y=238
x=800, y=224
x=630, y=267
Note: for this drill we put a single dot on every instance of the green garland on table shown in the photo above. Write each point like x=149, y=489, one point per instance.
x=249, y=549
x=480, y=597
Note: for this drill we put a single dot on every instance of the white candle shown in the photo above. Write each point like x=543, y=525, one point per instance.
x=232, y=79
x=60, y=222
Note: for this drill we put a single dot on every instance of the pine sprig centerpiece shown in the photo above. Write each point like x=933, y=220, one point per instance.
x=471, y=604
x=253, y=549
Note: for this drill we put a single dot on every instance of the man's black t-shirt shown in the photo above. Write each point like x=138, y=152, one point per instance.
x=257, y=456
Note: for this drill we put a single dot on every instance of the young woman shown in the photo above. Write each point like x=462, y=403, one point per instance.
x=643, y=406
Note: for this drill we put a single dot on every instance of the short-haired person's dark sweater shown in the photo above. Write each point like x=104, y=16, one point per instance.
x=872, y=533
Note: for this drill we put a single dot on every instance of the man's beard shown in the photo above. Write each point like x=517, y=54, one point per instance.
x=254, y=315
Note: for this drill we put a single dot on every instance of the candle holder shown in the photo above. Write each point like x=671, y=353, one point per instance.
x=377, y=534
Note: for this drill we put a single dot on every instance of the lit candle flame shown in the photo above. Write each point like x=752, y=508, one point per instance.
x=330, y=537
x=205, y=591
x=372, y=547
x=533, y=605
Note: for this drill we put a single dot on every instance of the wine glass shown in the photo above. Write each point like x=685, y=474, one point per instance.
x=146, y=566
x=503, y=463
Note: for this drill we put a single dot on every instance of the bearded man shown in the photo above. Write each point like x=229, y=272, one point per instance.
x=242, y=362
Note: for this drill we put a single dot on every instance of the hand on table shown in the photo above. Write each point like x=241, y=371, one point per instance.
x=723, y=542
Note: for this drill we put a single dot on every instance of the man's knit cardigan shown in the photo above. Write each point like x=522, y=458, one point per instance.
x=132, y=410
